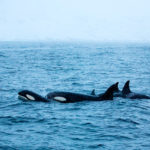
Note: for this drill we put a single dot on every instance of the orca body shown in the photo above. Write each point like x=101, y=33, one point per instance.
x=31, y=96
x=69, y=97
x=127, y=93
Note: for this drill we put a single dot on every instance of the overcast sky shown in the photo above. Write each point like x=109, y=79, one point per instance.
x=99, y=20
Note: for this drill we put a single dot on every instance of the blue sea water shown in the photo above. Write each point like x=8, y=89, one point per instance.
x=43, y=67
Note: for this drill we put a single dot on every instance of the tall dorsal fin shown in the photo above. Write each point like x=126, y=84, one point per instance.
x=126, y=88
x=108, y=95
x=117, y=89
x=93, y=92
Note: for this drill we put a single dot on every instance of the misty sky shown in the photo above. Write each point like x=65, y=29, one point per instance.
x=98, y=20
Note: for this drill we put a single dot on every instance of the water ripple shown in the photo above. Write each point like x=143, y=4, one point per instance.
x=77, y=67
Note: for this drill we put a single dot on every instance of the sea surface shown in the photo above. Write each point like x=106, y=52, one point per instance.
x=44, y=67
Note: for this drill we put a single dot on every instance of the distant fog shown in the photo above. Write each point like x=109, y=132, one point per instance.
x=94, y=20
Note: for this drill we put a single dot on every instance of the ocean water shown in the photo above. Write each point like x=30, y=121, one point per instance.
x=43, y=67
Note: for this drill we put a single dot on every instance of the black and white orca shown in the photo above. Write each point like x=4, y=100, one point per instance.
x=69, y=97
x=127, y=93
x=31, y=96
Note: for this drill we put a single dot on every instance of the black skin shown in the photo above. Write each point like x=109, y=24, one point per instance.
x=116, y=92
x=76, y=97
x=93, y=92
x=36, y=96
x=70, y=97
x=127, y=93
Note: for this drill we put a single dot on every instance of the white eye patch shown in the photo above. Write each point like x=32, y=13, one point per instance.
x=30, y=97
x=59, y=98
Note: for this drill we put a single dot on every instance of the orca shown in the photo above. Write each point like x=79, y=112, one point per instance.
x=116, y=92
x=127, y=93
x=31, y=96
x=70, y=97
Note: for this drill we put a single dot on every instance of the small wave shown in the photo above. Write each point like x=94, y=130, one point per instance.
x=116, y=136
x=5, y=133
x=7, y=148
x=141, y=107
x=14, y=105
x=127, y=120
x=8, y=90
x=8, y=120
x=93, y=146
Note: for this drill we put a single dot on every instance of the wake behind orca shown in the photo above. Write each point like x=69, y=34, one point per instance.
x=69, y=97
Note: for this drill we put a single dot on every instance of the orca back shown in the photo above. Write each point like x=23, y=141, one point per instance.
x=126, y=88
x=108, y=95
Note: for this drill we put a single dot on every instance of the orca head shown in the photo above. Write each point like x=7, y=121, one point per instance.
x=126, y=88
x=27, y=95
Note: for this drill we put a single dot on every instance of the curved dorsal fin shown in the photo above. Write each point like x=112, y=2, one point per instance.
x=126, y=88
x=117, y=89
x=108, y=95
x=93, y=92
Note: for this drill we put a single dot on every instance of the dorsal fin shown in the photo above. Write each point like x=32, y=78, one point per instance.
x=117, y=89
x=93, y=92
x=108, y=95
x=126, y=88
